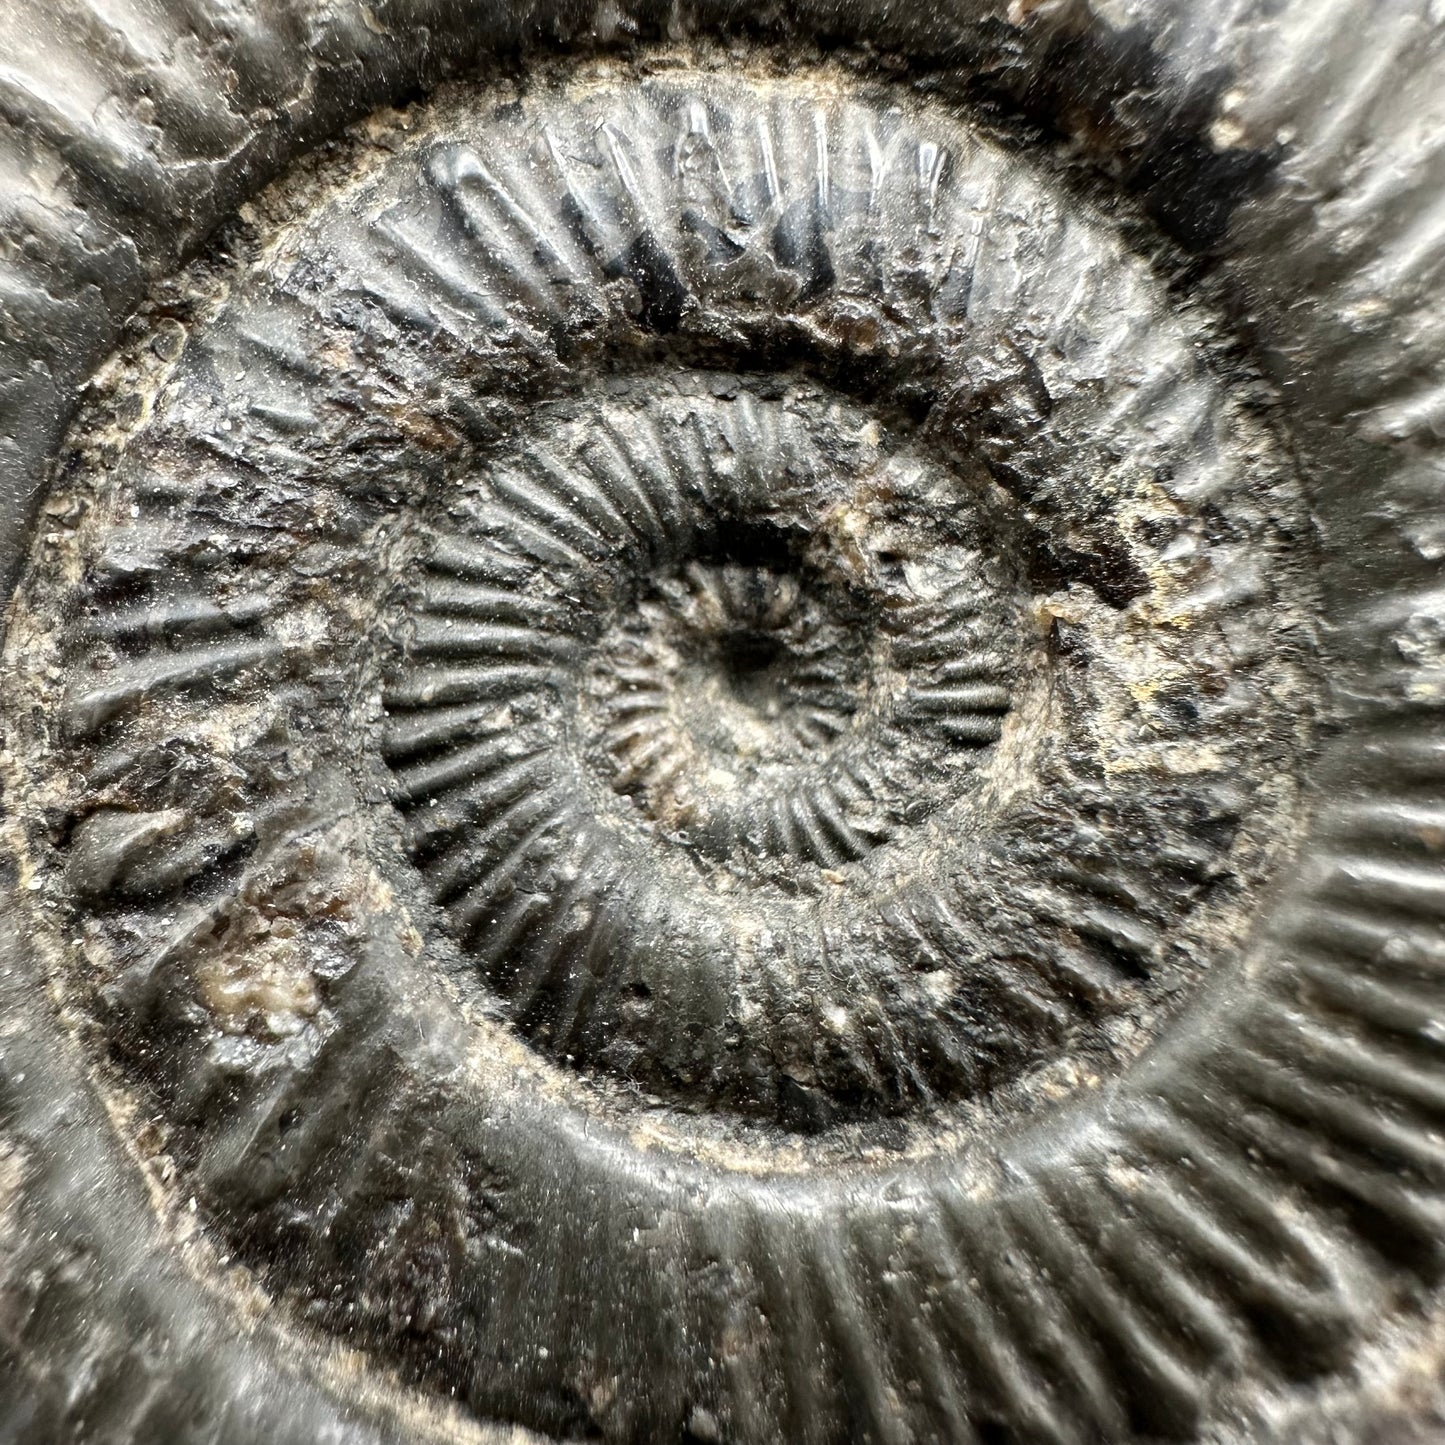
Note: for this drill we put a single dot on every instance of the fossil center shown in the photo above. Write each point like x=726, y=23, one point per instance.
x=729, y=676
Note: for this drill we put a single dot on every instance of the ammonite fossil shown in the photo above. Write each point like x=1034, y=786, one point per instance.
x=724, y=728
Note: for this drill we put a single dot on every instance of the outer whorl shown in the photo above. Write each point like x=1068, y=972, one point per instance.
x=649, y=755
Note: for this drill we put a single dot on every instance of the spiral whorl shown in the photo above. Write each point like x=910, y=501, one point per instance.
x=683, y=682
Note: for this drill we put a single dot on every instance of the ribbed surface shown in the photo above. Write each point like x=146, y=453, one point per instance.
x=768, y=752
x=1275, y=1185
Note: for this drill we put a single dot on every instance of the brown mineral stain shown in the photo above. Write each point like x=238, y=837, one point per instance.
x=12, y=1179
x=266, y=986
x=256, y=977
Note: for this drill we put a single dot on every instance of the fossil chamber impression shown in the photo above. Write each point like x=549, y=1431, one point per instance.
x=723, y=726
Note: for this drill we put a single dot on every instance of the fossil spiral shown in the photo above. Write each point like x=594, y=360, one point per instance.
x=658, y=741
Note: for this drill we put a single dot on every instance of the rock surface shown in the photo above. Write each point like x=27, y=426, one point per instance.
x=722, y=725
